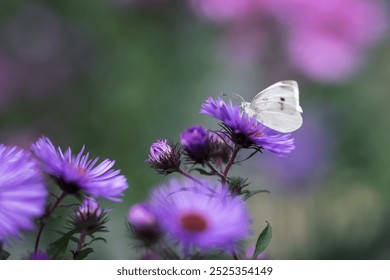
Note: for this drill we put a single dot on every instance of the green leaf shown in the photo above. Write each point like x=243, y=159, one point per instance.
x=83, y=254
x=100, y=238
x=248, y=194
x=74, y=239
x=58, y=248
x=97, y=229
x=60, y=232
x=263, y=240
x=96, y=239
x=238, y=182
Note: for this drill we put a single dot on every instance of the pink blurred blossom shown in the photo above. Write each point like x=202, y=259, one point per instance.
x=357, y=21
x=323, y=57
x=329, y=40
x=326, y=40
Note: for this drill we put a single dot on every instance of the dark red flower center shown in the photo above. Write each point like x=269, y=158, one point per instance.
x=193, y=222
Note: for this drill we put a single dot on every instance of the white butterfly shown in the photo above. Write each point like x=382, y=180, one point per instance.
x=277, y=107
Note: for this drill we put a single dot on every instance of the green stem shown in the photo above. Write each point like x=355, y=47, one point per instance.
x=230, y=163
x=80, y=243
x=219, y=163
x=45, y=217
x=220, y=175
x=182, y=172
x=234, y=254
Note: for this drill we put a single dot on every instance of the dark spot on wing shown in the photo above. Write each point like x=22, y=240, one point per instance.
x=282, y=99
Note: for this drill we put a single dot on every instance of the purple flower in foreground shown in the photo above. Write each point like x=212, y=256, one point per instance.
x=22, y=192
x=205, y=216
x=246, y=131
x=75, y=174
x=163, y=157
x=195, y=142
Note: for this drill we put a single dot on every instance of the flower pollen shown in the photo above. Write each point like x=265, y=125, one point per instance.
x=193, y=222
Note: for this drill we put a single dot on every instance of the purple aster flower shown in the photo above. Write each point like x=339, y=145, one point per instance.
x=22, y=192
x=246, y=131
x=75, y=174
x=164, y=157
x=205, y=216
x=144, y=223
x=195, y=142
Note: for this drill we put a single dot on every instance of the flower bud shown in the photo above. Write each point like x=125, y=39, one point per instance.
x=196, y=143
x=89, y=215
x=163, y=157
x=144, y=223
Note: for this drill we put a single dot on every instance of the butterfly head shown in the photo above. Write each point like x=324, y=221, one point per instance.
x=246, y=106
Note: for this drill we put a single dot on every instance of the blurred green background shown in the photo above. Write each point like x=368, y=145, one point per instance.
x=116, y=75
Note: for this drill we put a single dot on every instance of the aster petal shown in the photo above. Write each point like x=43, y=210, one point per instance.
x=80, y=171
x=22, y=192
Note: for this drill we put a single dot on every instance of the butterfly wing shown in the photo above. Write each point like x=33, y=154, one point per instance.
x=278, y=107
x=286, y=92
x=284, y=121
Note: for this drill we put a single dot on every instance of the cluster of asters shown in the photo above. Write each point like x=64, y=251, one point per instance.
x=194, y=217
x=204, y=213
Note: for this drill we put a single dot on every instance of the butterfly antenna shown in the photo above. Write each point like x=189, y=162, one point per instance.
x=234, y=95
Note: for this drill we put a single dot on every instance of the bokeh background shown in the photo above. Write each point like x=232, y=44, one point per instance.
x=116, y=75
